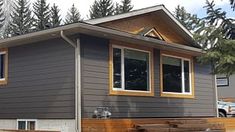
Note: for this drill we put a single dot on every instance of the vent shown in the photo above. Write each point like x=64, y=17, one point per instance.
x=153, y=33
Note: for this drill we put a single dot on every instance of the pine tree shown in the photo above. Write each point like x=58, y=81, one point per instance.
x=101, y=8
x=2, y=17
x=42, y=12
x=7, y=31
x=55, y=16
x=125, y=6
x=216, y=20
x=117, y=9
x=189, y=21
x=73, y=15
x=232, y=3
x=216, y=38
x=21, y=22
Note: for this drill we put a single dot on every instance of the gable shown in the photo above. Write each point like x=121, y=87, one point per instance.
x=156, y=16
x=137, y=23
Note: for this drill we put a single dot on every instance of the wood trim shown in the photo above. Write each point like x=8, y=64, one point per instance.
x=134, y=46
x=156, y=34
x=4, y=82
x=176, y=54
x=175, y=95
x=130, y=93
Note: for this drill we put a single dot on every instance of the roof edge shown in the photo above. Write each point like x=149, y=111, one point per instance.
x=125, y=15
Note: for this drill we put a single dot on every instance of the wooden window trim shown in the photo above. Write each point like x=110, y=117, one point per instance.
x=130, y=92
x=5, y=80
x=177, y=95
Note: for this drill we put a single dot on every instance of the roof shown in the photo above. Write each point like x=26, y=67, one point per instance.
x=91, y=27
x=141, y=12
x=98, y=32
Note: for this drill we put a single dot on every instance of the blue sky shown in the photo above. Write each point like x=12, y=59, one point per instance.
x=225, y=7
x=192, y=6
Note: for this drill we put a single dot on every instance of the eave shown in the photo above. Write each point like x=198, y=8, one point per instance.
x=83, y=28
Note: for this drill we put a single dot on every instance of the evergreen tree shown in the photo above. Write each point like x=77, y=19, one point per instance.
x=216, y=38
x=189, y=21
x=21, y=22
x=7, y=31
x=42, y=13
x=101, y=8
x=73, y=15
x=232, y=3
x=2, y=17
x=125, y=6
x=117, y=9
x=55, y=16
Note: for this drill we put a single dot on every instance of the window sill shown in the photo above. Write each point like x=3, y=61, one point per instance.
x=172, y=95
x=3, y=82
x=131, y=93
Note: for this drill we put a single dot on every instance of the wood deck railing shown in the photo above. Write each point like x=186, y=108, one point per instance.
x=125, y=125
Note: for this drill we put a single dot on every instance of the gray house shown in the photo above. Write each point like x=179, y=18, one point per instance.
x=138, y=65
x=226, y=87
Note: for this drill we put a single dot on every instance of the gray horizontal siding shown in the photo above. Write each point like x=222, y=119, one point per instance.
x=95, y=86
x=41, y=82
x=227, y=91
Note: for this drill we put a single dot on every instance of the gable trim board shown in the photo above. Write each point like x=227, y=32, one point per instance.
x=189, y=36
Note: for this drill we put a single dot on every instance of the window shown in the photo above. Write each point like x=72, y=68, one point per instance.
x=3, y=66
x=222, y=81
x=131, y=71
x=23, y=124
x=176, y=76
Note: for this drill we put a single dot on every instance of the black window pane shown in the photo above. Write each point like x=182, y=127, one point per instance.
x=117, y=68
x=2, y=66
x=21, y=125
x=172, y=81
x=186, y=76
x=136, y=65
x=31, y=125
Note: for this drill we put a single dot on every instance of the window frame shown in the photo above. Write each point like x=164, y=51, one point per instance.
x=122, y=91
x=222, y=85
x=3, y=81
x=26, y=123
x=183, y=58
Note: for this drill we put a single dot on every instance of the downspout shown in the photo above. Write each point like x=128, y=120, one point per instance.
x=216, y=97
x=67, y=39
x=78, y=114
